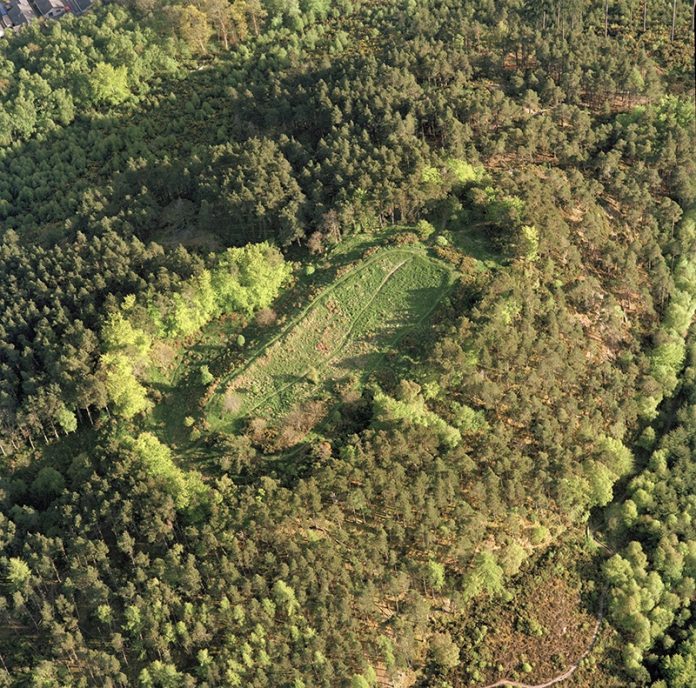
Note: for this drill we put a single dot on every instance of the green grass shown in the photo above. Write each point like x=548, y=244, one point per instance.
x=347, y=329
x=472, y=240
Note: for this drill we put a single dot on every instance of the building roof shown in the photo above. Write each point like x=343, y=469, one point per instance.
x=20, y=12
x=50, y=7
x=80, y=6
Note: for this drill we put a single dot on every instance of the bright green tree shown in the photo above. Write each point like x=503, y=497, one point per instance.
x=109, y=84
x=435, y=574
x=125, y=393
x=66, y=419
x=444, y=653
x=249, y=278
x=18, y=573
x=485, y=576
x=285, y=596
x=48, y=484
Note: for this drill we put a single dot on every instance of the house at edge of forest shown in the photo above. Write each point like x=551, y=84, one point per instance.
x=20, y=12
x=50, y=8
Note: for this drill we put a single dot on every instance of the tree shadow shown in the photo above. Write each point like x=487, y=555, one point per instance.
x=144, y=166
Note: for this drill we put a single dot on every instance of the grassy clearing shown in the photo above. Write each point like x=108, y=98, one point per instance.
x=346, y=330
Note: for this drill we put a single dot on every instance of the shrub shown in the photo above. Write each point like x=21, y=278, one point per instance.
x=539, y=535
x=449, y=254
x=315, y=243
x=404, y=239
x=266, y=317
x=206, y=375
x=443, y=651
x=424, y=229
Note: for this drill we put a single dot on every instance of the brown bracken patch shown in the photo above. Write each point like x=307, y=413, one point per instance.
x=546, y=627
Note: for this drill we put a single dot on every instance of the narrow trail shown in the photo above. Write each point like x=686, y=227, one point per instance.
x=337, y=349
x=253, y=355
x=568, y=672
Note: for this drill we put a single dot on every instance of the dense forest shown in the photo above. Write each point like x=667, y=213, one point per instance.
x=349, y=343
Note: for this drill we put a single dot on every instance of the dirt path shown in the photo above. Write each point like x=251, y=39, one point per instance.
x=568, y=672
x=404, y=255
x=339, y=346
x=355, y=270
